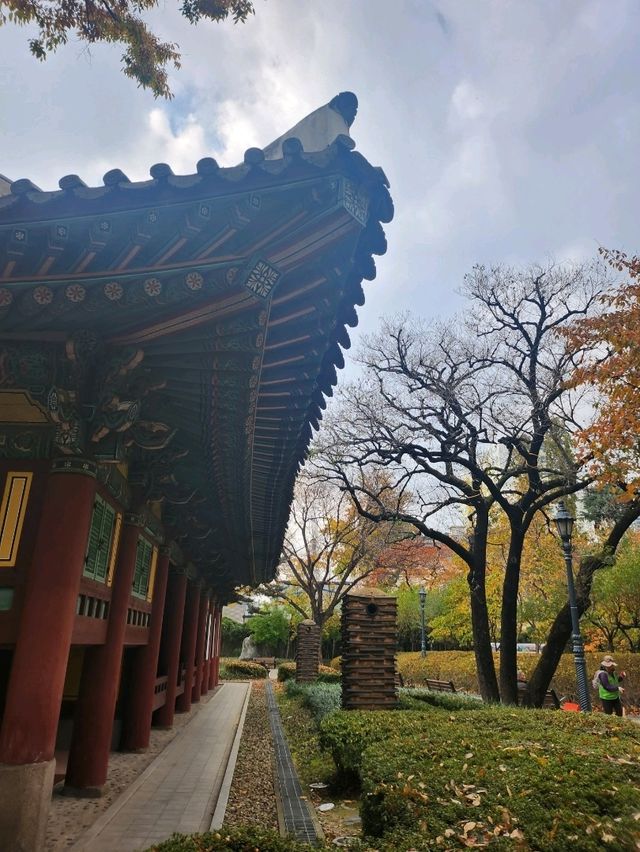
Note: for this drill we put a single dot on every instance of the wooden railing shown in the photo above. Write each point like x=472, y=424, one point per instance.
x=92, y=606
x=160, y=692
x=138, y=617
x=180, y=688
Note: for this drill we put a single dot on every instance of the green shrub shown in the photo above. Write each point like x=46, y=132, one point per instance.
x=232, y=636
x=326, y=674
x=513, y=777
x=234, y=839
x=287, y=670
x=231, y=669
x=320, y=698
x=302, y=734
x=412, y=698
x=347, y=734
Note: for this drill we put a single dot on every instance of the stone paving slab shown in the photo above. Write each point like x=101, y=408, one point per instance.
x=179, y=790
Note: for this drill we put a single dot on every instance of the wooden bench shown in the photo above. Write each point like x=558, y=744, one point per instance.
x=440, y=685
x=551, y=700
x=267, y=662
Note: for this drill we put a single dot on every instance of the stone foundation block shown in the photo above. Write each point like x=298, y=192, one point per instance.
x=25, y=798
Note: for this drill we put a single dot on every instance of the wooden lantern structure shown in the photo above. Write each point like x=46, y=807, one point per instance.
x=308, y=651
x=368, y=651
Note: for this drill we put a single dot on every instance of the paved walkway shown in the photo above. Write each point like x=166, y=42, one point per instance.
x=179, y=790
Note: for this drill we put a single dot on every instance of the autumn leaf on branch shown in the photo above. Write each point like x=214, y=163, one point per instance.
x=146, y=58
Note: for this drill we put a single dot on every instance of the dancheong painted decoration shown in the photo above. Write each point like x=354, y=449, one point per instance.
x=166, y=349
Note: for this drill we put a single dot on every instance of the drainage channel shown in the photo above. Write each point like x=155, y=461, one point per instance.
x=299, y=821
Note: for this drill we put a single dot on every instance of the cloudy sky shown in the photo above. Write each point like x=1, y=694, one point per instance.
x=507, y=128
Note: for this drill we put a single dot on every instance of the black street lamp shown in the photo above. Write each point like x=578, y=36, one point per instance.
x=564, y=525
x=423, y=639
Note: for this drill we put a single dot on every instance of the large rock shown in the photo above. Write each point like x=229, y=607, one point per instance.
x=249, y=650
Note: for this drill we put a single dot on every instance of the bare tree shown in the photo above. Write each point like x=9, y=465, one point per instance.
x=328, y=548
x=473, y=417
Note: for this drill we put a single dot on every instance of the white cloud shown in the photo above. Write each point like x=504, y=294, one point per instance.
x=510, y=133
x=466, y=101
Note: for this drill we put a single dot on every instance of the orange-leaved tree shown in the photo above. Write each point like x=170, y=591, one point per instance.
x=613, y=337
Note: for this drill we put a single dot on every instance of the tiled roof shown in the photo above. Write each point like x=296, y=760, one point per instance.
x=244, y=321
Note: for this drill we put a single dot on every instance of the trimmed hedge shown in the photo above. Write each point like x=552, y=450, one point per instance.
x=415, y=699
x=328, y=675
x=348, y=733
x=231, y=669
x=234, y=839
x=506, y=776
x=320, y=698
x=287, y=670
x=460, y=667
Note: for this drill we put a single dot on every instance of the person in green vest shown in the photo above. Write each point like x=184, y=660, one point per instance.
x=608, y=683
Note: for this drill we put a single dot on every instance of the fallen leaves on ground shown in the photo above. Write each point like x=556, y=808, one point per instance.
x=252, y=798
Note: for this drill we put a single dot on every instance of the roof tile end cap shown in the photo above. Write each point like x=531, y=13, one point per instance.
x=320, y=128
x=346, y=103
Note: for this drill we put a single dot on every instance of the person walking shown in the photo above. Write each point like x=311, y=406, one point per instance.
x=608, y=682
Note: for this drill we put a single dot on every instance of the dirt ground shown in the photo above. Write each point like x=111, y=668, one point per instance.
x=252, y=800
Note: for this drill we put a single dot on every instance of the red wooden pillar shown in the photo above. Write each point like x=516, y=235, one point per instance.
x=219, y=629
x=218, y=644
x=137, y=717
x=174, y=617
x=200, y=639
x=93, y=724
x=29, y=725
x=209, y=647
x=214, y=644
x=189, y=633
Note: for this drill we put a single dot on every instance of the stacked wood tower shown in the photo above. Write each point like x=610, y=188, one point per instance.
x=308, y=652
x=368, y=651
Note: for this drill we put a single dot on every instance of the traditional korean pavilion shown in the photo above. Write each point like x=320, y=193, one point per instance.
x=166, y=349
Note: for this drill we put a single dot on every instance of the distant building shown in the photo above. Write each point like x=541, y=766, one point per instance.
x=237, y=612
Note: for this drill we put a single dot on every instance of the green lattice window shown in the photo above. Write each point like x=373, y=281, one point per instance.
x=144, y=556
x=103, y=520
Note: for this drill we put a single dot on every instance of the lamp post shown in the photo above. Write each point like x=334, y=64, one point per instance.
x=423, y=639
x=564, y=525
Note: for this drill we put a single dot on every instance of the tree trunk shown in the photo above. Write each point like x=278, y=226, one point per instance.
x=509, y=621
x=550, y=657
x=485, y=666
